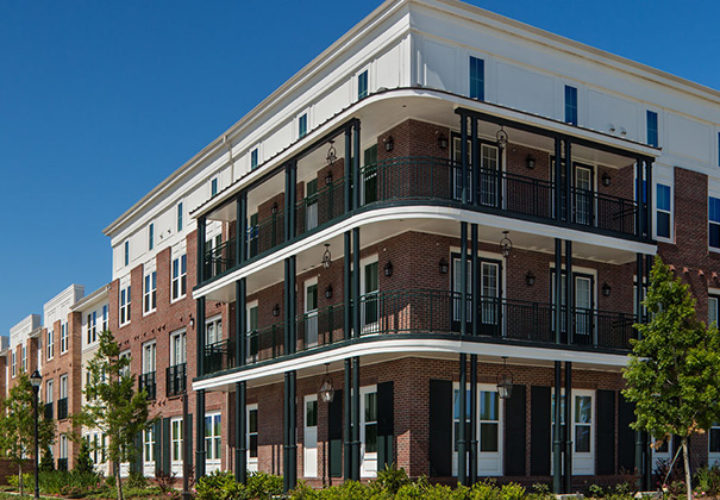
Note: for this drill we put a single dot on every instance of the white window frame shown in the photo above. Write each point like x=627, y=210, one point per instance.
x=125, y=354
x=216, y=323
x=368, y=460
x=489, y=463
x=49, y=391
x=63, y=452
x=176, y=445
x=64, y=338
x=124, y=308
x=50, y=344
x=149, y=438
x=23, y=366
x=713, y=456
x=252, y=462
x=364, y=327
x=310, y=438
x=149, y=357
x=664, y=182
x=663, y=456
x=311, y=315
x=91, y=324
x=213, y=442
x=583, y=463
x=713, y=297
x=13, y=363
x=182, y=334
x=63, y=387
x=179, y=281
x=150, y=292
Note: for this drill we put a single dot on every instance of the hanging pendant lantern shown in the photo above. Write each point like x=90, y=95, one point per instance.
x=326, y=257
x=331, y=154
x=502, y=138
x=327, y=391
x=506, y=244
x=504, y=381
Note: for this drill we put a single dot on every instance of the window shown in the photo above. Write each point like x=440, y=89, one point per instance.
x=571, y=105
x=50, y=344
x=149, y=351
x=63, y=386
x=582, y=430
x=178, y=352
x=663, y=211
x=177, y=439
x=63, y=337
x=311, y=313
x=713, y=301
x=362, y=85
x=105, y=318
x=254, y=159
x=179, y=217
x=63, y=447
x=125, y=306
x=150, y=292
x=13, y=363
x=49, y=392
x=489, y=421
x=311, y=205
x=151, y=236
x=652, y=128
x=126, y=370
x=148, y=445
x=179, y=277
x=127, y=253
x=368, y=431
x=252, y=437
x=213, y=331
x=302, y=126
x=310, y=456
x=714, y=222
x=91, y=327
x=214, y=187
x=212, y=436
x=477, y=78
x=369, y=298
x=714, y=444
x=23, y=367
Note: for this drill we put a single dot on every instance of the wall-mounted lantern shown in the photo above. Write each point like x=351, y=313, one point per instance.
x=276, y=311
x=328, y=292
x=442, y=141
x=529, y=278
x=606, y=289
x=606, y=179
x=389, y=143
x=444, y=267
x=388, y=269
x=530, y=162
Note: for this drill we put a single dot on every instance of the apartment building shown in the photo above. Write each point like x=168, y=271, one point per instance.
x=22, y=354
x=59, y=351
x=93, y=311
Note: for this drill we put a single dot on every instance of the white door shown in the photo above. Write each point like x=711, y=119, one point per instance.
x=368, y=431
x=583, y=195
x=311, y=313
x=310, y=452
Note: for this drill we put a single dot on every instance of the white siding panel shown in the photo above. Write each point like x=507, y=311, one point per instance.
x=687, y=137
x=440, y=70
x=604, y=110
x=524, y=89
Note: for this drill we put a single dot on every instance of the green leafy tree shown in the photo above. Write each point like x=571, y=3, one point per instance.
x=672, y=376
x=83, y=463
x=46, y=462
x=113, y=406
x=17, y=422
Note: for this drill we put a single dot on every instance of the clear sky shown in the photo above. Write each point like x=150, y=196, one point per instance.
x=101, y=100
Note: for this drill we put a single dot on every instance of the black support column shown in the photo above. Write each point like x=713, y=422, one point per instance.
x=568, y=427
x=355, y=282
x=200, y=452
x=240, y=322
x=639, y=214
x=347, y=188
x=557, y=177
x=200, y=271
x=639, y=282
x=240, y=432
x=464, y=158
x=648, y=197
x=290, y=199
x=289, y=441
x=355, y=405
x=569, y=181
x=475, y=163
x=241, y=228
x=558, y=290
x=461, y=450
x=347, y=417
x=475, y=294
x=569, y=294
x=463, y=278
x=356, y=164
x=347, y=287
x=557, y=439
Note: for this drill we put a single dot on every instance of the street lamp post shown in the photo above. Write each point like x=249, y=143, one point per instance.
x=36, y=380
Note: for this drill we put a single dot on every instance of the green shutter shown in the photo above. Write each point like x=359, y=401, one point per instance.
x=335, y=433
x=165, y=446
x=157, y=447
x=440, y=447
x=385, y=424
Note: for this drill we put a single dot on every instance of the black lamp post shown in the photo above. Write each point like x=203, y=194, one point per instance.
x=36, y=380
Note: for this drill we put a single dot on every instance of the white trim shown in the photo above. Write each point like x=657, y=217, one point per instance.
x=583, y=463
x=310, y=435
x=177, y=465
x=427, y=212
x=213, y=464
x=389, y=345
x=252, y=462
x=368, y=460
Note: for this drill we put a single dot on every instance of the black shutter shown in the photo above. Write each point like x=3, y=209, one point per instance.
x=540, y=427
x=605, y=428
x=440, y=428
x=166, y=446
x=626, y=436
x=515, y=432
x=385, y=425
x=136, y=465
x=335, y=433
x=157, y=448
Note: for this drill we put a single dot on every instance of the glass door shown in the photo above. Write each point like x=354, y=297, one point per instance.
x=583, y=305
x=489, y=176
x=252, y=334
x=490, y=298
x=369, y=301
x=311, y=314
x=311, y=206
x=369, y=175
x=583, y=190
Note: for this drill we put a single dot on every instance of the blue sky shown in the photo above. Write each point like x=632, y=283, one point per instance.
x=101, y=100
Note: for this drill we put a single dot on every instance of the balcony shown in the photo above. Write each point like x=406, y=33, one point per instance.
x=176, y=378
x=419, y=180
x=146, y=382
x=62, y=408
x=436, y=314
x=48, y=411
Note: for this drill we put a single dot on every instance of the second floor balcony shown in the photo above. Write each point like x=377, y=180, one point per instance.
x=48, y=411
x=146, y=382
x=429, y=313
x=176, y=379
x=62, y=408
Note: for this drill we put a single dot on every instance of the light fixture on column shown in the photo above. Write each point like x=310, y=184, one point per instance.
x=606, y=179
x=331, y=154
x=504, y=381
x=326, y=257
x=502, y=138
x=505, y=244
x=327, y=391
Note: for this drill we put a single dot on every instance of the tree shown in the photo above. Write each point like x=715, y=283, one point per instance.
x=83, y=463
x=46, y=462
x=17, y=422
x=672, y=375
x=113, y=406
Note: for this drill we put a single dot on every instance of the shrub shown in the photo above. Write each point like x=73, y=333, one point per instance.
x=136, y=480
x=84, y=463
x=512, y=491
x=263, y=485
x=219, y=485
x=707, y=481
x=390, y=479
x=47, y=463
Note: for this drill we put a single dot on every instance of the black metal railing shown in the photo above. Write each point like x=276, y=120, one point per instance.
x=48, y=411
x=219, y=356
x=426, y=312
x=176, y=379
x=320, y=208
x=146, y=382
x=219, y=259
x=62, y=408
